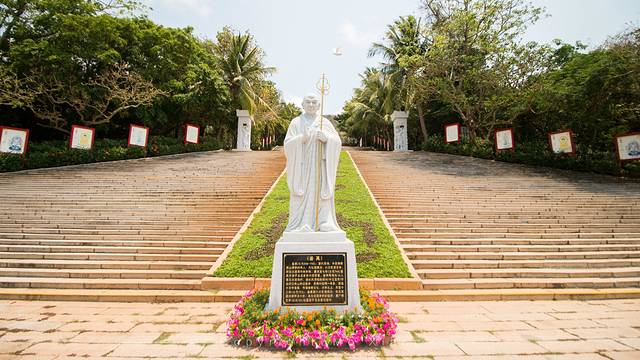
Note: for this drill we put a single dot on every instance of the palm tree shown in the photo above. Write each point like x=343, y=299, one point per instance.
x=241, y=63
x=369, y=108
x=404, y=45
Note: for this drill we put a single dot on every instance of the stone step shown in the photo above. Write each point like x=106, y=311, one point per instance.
x=113, y=229
x=514, y=235
x=471, y=227
x=106, y=256
x=103, y=264
x=470, y=216
x=480, y=222
x=181, y=237
x=92, y=283
x=510, y=294
x=520, y=230
x=148, y=296
x=518, y=248
x=92, y=222
x=122, y=233
x=529, y=273
x=120, y=243
x=103, y=273
x=525, y=264
x=108, y=249
x=442, y=255
x=504, y=241
x=564, y=282
x=232, y=296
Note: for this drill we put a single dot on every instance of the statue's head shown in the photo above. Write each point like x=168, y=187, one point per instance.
x=311, y=104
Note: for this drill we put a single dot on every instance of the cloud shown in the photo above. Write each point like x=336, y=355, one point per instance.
x=353, y=36
x=194, y=7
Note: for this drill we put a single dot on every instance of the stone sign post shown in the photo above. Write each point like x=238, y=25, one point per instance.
x=244, y=130
x=314, y=264
x=400, y=140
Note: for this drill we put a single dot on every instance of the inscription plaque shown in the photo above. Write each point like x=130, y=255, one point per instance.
x=314, y=279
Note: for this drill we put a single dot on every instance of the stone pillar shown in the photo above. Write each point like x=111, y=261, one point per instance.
x=400, y=139
x=244, y=130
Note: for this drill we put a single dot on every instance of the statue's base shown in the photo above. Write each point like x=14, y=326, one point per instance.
x=241, y=150
x=314, y=270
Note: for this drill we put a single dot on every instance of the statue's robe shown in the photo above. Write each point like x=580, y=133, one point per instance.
x=302, y=175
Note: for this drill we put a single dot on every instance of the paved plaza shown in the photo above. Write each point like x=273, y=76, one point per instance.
x=591, y=329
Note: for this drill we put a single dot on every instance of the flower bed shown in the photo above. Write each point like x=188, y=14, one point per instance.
x=251, y=325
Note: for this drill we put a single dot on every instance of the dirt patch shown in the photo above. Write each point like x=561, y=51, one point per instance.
x=369, y=236
x=366, y=256
x=271, y=235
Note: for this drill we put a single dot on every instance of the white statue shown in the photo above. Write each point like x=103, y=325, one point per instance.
x=303, y=142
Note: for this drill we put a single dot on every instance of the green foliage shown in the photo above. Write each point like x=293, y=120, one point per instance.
x=464, y=61
x=242, y=65
x=53, y=51
x=58, y=153
x=368, y=114
x=537, y=153
x=376, y=251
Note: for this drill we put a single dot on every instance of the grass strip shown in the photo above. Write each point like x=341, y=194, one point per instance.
x=376, y=252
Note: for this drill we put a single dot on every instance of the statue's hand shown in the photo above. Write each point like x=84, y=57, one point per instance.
x=322, y=136
x=305, y=137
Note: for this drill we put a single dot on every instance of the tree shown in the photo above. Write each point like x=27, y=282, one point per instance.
x=242, y=66
x=404, y=46
x=271, y=116
x=475, y=62
x=367, y=116
x=22, y=19
x=596, y=94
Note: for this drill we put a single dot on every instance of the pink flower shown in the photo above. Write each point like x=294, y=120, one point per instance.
x=288, y=332
x=352, y=344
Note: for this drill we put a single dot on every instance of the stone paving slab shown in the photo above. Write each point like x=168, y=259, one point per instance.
x=578, y=330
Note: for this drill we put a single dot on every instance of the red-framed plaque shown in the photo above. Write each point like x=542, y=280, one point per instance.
x=561, y=142
x=452, y=133
x=504, y=139
x=628, y=146
x=14, y=140
x=138, y=135
x=82, y=137
x=191, y=134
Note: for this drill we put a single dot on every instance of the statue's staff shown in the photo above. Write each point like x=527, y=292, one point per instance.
x=323, y=88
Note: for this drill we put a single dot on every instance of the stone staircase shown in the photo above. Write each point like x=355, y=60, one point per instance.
x=468, y=223
x=153, y=225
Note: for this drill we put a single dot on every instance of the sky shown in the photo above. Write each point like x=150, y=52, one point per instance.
x=298, y=35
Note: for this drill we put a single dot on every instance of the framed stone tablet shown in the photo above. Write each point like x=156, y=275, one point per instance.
x=314, y=279
x=138, y=135
x=561, y=142
x=81, y=137
x=191, y=134
x=452, y=133
x=13, y=140
x=628, y=146
x=504, y=140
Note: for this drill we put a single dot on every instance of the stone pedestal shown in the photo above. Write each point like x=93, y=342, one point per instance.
x=244, y=130
x=400, y=139
x=313, y=270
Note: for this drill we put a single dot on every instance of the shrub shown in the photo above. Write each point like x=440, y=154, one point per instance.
x=58, y=153
x=538, y=153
